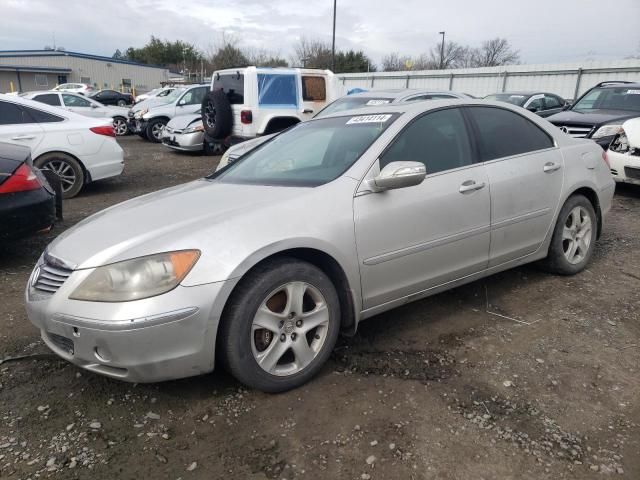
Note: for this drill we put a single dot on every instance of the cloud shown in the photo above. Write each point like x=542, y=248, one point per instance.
x=376, y=26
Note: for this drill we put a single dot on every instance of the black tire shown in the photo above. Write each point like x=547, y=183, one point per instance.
x=152, y=127
x=557, y=261
x=120, y=127
x=54, y=181
x=217, y=116
x=121, y=103
x=67, y=168
x=235, y=338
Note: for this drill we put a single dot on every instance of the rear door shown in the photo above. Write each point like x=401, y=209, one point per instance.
x=552, y=105
x=413, y=239
x=18, y=126
x=314, y=94
x=525, y=171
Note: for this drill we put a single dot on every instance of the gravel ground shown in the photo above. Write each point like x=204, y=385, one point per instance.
x=522, y=375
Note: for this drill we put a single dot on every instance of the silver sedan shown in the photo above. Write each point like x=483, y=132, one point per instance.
x=263, y=263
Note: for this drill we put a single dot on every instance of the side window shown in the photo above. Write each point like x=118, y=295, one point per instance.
x=438, y=139
x=535, y=103
x=74, y=101
x=12, y=114
x=502, y=133
x=313, y=89
x=552, y=102
x=193, y=97
x=277, y=90
x=49, y=99
x=41, y=117
x=419, y=98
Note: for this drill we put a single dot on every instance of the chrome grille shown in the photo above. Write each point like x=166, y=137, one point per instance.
x=50, y=276
x=576, y=131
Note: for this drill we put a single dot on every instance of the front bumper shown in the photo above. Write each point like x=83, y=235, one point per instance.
x=624, y=168
x=160, y=338
x=187, y=142
x=137, y=125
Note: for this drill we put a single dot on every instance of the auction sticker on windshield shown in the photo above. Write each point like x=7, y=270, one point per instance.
x=369, y=119
x=379, y=101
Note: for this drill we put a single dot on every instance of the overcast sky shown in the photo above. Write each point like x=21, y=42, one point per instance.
x=544, y=31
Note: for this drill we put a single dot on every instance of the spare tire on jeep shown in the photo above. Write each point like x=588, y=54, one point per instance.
x=217, y=117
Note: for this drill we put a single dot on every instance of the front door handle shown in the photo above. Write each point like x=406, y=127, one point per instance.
x=307, y=110
x=23, y=137
x=551, y=167
x=470, y=186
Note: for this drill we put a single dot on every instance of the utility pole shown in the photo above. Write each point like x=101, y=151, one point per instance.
x=442, y=51
x=333, y=42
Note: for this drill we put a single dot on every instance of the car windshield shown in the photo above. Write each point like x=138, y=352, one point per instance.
x=349, y=103
x=310, y=154
x=513, y=98
x=619, y=98
x=173, y=96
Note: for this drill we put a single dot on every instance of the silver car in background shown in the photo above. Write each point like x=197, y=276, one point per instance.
x=184, y=133
x=333, y=221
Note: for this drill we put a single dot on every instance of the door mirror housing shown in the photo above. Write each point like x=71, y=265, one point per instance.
x=93, y=105
x=567, y=106
x=398, y=175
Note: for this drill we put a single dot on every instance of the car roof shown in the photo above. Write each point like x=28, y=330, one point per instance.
x=400, y=93
x=39, y=92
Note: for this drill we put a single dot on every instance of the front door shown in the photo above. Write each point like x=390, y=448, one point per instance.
x=412, y=239
x=526, y=171
x=18, y=125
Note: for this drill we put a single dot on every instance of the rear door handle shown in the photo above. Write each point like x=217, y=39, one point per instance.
x=307, y=110
x=470, y=186
x=551, y=167
x=23, y=137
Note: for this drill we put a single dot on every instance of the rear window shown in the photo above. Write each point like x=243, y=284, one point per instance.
x=48, y=98
x=313, y=89
x=232, y=84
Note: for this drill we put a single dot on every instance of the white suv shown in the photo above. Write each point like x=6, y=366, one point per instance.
x=249, y=102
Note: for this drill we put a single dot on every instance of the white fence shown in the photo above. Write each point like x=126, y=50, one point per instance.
x=568, y=80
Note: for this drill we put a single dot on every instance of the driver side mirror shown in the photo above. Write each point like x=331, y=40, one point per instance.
x=93, y=105
x=399, y=175
x=567, y=106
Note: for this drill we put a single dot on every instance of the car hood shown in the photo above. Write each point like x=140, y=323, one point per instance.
x=148, y=103
x=192, y=215
x=632, y=129
x=183, y=121
x=593, y=117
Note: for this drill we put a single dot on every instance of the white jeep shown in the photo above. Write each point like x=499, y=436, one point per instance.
x=249, y=102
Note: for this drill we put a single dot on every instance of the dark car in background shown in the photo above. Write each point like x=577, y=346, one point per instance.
x=542, y=103
x=600, y=112
x=113, y=97
x=28, y=199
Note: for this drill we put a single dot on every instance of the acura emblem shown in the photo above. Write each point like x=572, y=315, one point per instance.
x=564, y=129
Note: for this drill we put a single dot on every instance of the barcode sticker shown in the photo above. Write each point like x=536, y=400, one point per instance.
x=369, y=119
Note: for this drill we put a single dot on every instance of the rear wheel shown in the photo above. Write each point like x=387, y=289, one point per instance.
x=280, y=325
x=574, y=237
x=122, y=103
x=68, y=170
x=120, y=126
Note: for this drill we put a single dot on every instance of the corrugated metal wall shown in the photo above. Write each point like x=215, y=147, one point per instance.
x=102, y=74
x=566, y=79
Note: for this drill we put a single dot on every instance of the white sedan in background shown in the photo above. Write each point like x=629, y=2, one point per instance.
x=156, y=92
x=624, y=153
x=81, y=88
x=84, y=106
x=78, y=148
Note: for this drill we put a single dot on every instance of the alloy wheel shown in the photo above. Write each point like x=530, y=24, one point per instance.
x=120, y=127
x=156, y=130
x=289, y=328
x=576, y=235
x=210, y=114
x=64, y=171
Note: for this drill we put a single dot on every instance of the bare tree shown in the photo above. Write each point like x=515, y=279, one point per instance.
x=394, y=62
x=495, y=52
x=312, y=53
x=455, y=56
x=261, y=57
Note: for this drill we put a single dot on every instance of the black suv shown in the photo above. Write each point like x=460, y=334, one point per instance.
x=600, y=112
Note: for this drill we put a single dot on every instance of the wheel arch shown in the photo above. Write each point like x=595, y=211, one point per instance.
x=278, y=123
x=87, y=174
x=326, y=262
x=591, y=195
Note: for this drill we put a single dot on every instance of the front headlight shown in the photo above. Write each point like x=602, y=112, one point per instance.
x=197, y=128
x=137, y=278
x=140, y=113
x=607, y=131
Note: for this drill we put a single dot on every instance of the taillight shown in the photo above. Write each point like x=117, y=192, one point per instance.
x=104, y=130
x=22, y=180
x=605, y=157
x=246, y=117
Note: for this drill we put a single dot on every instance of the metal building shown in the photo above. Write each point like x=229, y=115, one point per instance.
x=569, y=80
x=27, y=70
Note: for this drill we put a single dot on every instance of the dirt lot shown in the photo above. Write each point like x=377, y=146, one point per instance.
x=437, y=389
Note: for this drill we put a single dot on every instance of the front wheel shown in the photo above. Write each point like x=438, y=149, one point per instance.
x=154, y=130
x=574, y=237
x=280, y=325
x=122, y=103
